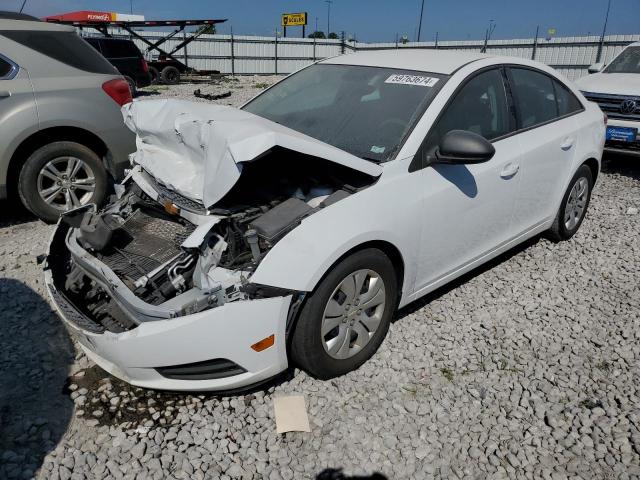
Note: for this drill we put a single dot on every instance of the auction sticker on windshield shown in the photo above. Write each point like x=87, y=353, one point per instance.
x=412, y=80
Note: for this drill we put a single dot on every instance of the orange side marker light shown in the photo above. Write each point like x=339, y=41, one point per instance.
x=264, y=343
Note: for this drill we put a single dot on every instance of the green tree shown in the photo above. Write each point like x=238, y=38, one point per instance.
x=209, y=29
x=333, y=35
x=316, y=34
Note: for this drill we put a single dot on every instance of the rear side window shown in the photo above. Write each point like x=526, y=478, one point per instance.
x=534, y=96
x=119, y=49
x=479, y=107
x=567, y=101
x=65, y=47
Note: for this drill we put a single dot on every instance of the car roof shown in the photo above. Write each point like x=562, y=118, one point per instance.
x=17, y=16
x=8, y=23
x=431, y=60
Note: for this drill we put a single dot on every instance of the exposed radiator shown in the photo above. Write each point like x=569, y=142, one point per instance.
x=142, y=244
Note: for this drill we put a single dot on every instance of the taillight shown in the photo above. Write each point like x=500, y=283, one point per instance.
x=145, y=67
x=605, y=118
x=119, y=90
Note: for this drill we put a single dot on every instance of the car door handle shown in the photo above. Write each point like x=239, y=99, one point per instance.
x=5, y=94
x=509, y=170
x=567, y=144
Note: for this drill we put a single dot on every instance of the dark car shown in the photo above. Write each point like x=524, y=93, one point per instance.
x=126, y=57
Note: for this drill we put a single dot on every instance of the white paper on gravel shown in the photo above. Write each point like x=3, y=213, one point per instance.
x=197, y=149
x=291, y=414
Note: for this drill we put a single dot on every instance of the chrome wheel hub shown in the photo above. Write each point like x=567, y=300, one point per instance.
x=66, y=182
x=353, y=313
x=576, y=203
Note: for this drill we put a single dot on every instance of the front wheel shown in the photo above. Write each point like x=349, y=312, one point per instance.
x=574, y=205
x=344, y=321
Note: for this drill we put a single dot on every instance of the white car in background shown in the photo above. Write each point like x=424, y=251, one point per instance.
x=616, y=89
x=290, y=230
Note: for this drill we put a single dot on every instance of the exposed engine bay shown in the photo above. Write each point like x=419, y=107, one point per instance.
x=170, y=257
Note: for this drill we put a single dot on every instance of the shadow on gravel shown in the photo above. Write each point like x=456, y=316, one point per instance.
x=418, y=304
x=13, y=213
x=35, y=354
x=336, y=474
x=625, y=165
x=102, y=399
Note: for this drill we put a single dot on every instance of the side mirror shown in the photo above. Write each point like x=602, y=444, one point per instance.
x=596, y=67
x=463, y=147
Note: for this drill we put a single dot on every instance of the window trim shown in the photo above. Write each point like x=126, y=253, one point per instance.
x=13, y=71
x=508, y=68
x=419, y=162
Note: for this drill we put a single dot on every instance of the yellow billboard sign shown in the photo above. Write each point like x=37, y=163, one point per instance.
x=294, y=19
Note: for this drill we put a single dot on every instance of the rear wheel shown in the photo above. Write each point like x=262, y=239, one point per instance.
x=574, y=205
x=170, y=75
x=344, y=321
x=61, y=176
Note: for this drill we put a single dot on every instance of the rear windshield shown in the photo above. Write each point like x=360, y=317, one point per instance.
x=366, y=111
x=119, y=49
x=65, y=47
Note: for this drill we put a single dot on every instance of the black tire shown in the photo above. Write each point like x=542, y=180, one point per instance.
x=155, y=75
x=28, y=179
x=170, y=75
x=559, y=230
x=307, y=343
x=132, y=86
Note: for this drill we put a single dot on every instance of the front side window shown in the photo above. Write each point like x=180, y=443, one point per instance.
x=627, y=62
x=366, y=111
x=535, y=97
x=479, y=107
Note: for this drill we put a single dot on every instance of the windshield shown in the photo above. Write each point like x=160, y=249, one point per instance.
x=366, y=111
x=627, y=62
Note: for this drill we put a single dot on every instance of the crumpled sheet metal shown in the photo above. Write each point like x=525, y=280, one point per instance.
x=198, y=149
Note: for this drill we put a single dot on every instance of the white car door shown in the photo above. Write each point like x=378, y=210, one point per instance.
x=549, y=135
x=468, y=208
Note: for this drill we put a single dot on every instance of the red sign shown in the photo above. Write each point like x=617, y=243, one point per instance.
x=83, y=16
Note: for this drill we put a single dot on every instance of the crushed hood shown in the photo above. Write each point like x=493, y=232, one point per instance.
x=611, y=83
x=197, y=149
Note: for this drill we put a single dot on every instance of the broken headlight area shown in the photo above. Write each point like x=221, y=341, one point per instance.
x=172, y=264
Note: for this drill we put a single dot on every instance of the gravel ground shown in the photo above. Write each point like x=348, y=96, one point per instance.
x=528, y=368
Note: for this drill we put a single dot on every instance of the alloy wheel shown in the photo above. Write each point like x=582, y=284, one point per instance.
x=353, y=313
x=66, y=182
x=576, y=203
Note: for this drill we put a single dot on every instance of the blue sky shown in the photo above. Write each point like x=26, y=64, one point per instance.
x=379, y=20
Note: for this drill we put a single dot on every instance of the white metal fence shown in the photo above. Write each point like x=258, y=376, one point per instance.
x=241, y=54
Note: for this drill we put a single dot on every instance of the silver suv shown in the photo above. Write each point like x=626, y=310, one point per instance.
x=62, y=136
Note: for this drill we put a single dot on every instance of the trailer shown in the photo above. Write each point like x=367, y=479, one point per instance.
x=165, y=67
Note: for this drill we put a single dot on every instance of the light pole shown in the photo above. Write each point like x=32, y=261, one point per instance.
x=487, y=34
x=420, y=23
x=604, y=30
x=328, y=2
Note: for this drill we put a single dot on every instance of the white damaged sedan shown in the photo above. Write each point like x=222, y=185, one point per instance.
x=290, y=230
